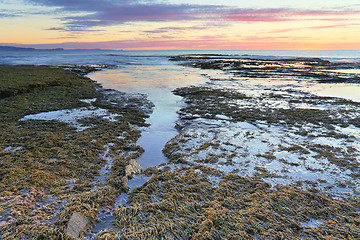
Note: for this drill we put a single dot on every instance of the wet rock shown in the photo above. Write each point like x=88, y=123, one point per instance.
x=133, y=168
x=77, y=224
x=126, y=100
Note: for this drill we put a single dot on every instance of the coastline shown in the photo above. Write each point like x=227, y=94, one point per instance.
x=206, y=189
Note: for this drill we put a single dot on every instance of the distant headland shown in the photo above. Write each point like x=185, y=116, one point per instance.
x=10, y=48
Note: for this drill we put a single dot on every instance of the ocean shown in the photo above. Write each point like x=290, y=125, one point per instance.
x=131, y=60
x=115, y=57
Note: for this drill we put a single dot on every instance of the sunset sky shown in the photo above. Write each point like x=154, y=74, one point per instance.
x=181, y=24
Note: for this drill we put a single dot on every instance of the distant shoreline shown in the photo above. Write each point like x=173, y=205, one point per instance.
x=9, y=48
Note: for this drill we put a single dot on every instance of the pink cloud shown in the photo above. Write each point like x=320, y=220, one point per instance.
x=315, y=27
x=273, y=15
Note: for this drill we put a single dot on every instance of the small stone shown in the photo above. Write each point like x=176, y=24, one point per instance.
x=77, y=224
x=3, y=223
x=133, y=168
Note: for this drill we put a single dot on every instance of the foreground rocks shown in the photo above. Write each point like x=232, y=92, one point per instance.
x=133, y=168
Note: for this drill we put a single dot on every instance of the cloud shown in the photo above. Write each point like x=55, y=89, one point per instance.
x=93, y=13
x=4, y=15
x=271, y=15
x=316, y=27
x=334, y=26
x=176, y=29
x=62, y=29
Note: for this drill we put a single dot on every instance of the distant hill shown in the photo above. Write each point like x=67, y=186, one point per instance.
x=8, y=48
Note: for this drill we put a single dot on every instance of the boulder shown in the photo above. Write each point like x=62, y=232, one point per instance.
x=77, y=224
x=133, y=168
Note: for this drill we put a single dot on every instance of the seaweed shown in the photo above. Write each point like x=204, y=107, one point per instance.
x=49, y=168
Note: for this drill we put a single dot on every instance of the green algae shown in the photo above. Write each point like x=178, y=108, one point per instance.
x=190, y=198
x=311, y=68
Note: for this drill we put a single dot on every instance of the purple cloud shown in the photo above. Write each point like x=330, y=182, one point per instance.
x=109, y=12
x=176, y=29
x=112, y=12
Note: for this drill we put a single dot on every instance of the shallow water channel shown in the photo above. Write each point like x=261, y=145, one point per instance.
x=156, y=77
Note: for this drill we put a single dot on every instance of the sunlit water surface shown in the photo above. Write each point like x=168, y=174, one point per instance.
x=156, y=77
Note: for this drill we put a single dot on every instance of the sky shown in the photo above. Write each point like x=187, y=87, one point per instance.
x=181, y=24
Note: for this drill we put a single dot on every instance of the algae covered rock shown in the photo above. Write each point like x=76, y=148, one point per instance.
x=133, y=168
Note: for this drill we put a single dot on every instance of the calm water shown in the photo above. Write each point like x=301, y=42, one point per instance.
x=138, y=57
x=156, y=77
x=135, y=66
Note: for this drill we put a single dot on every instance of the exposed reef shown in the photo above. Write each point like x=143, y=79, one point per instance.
x=256, y=157
x=311, y=68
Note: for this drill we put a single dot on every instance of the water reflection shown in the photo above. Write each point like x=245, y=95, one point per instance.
x=342, y=90
x=157, y=79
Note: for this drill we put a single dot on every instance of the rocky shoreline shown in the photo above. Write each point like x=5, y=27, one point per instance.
x=256, y=156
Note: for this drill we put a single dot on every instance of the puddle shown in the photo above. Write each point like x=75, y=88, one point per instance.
x=106, y=217
x=104, y=172
x=342, y=90
x=311, y=223
x=12, y=149
x=71, y=116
